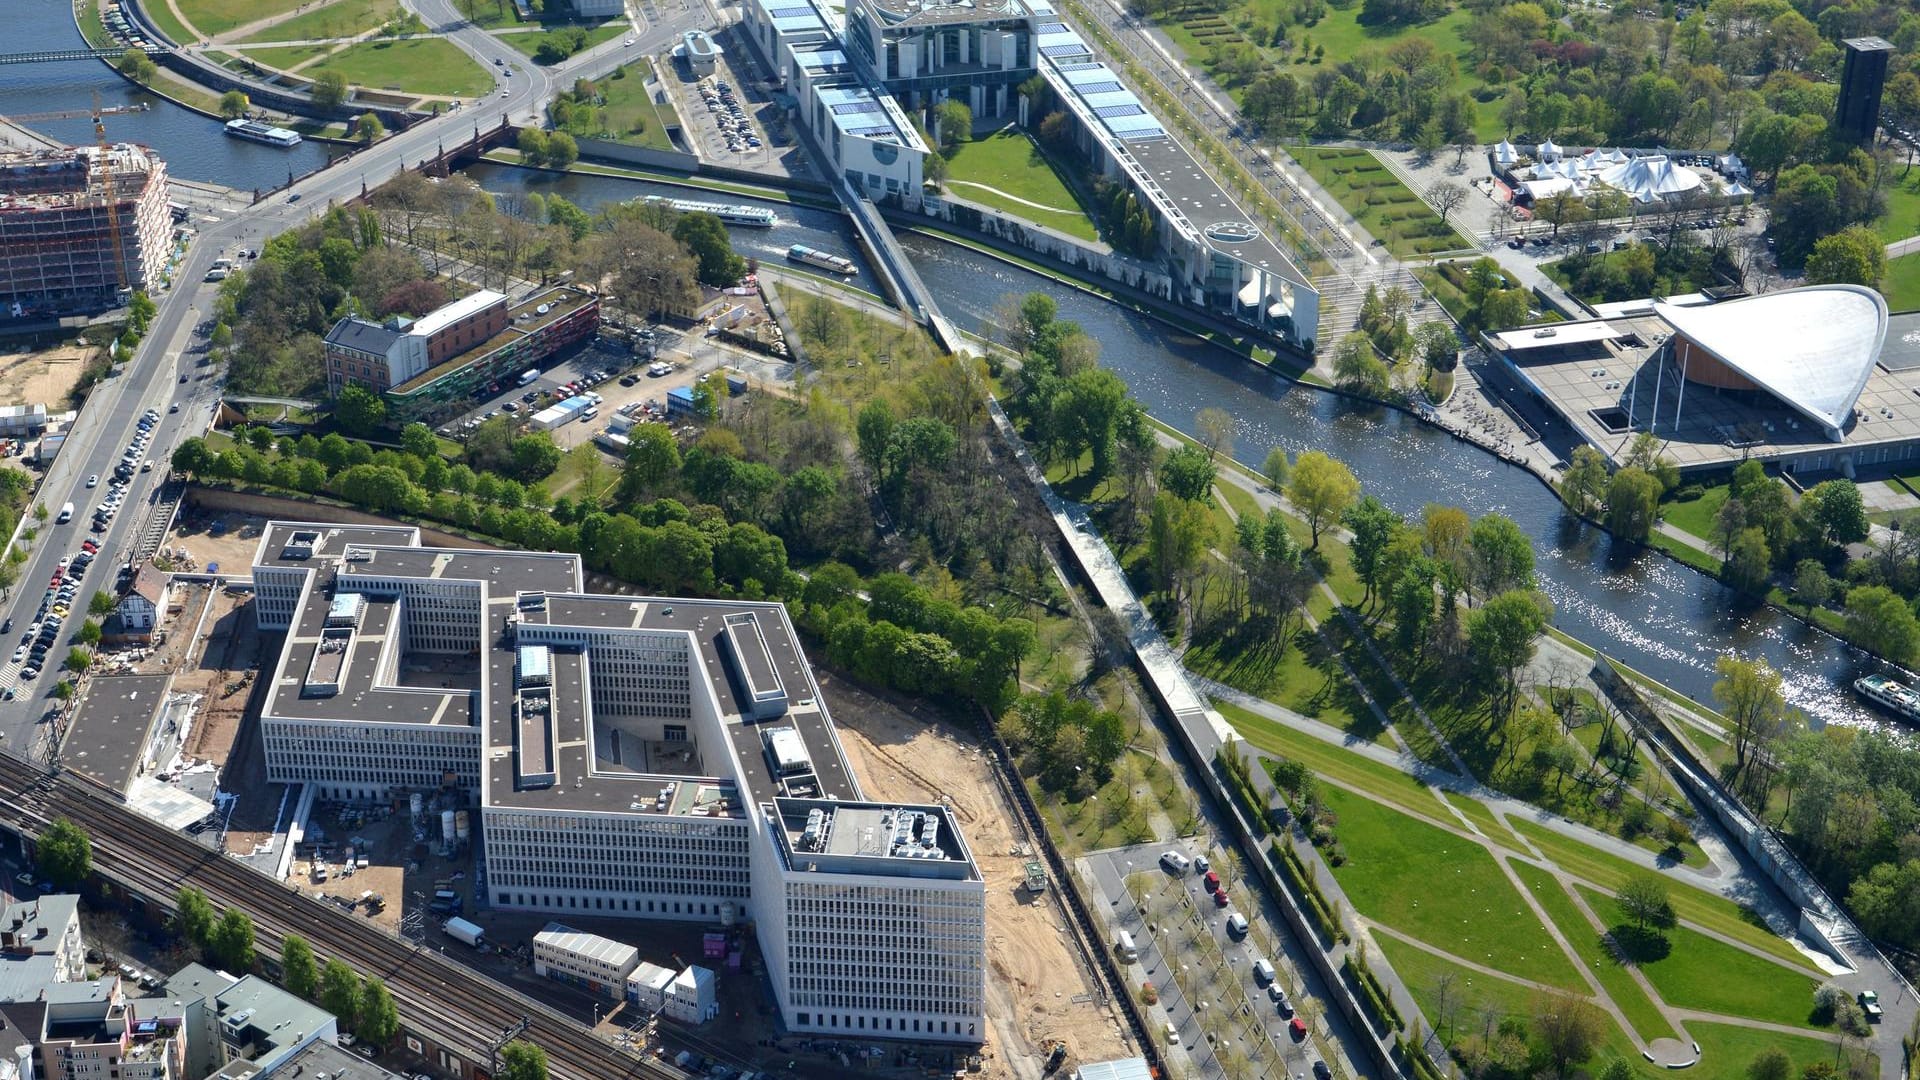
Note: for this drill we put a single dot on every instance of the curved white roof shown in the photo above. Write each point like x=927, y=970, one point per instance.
x=1648, y=178
x=1813, y=348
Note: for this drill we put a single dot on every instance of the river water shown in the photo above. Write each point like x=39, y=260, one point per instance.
x=193, y=146
x=1644, y=609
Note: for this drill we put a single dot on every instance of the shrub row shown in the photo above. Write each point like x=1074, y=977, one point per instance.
x=1244, y=791
x=1309, y=890
x=1423, y=1067
x=1376, y=995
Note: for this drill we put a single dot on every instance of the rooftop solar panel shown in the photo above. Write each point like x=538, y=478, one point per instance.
x=1069, y=68
x=1110, y=112
x=1050, y=28
x=790, y=12
x=1075, y=49
x=1098, y=87
x=854, y=108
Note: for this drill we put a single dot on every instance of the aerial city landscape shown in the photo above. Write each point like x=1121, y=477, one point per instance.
x=1097, y=539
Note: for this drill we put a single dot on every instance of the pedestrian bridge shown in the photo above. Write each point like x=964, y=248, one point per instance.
x=55, y=55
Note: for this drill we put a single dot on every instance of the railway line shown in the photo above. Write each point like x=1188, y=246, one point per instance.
x=443, y=1001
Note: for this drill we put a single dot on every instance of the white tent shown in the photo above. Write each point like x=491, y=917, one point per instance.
x=1548, y=187
x=1737, y=190
x=1504, y=153
x=1547, y=151
x=1646, y=179
x=1730, y=165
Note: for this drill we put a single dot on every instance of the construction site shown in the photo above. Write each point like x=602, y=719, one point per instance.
x=81, y=226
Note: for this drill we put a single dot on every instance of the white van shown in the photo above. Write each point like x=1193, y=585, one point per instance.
x=1262, y=971
x=66, y=515
x=1123, y=944
x=1175, y=862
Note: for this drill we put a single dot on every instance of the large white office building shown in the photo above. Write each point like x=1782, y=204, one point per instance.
x=642, y=757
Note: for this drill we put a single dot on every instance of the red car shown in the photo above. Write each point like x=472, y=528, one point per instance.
x=1298, y=1027
x=1212, y=881
x=1220, y=898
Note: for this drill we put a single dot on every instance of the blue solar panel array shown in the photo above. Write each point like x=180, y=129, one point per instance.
x=1099, y=87
x=1109, y=112
x=790, y=12
x=1089, y=66
x=1050, y=28
x=853, y=108
x=1065, y=50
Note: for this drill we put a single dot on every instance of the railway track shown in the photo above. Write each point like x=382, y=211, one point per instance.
x=454, y=1006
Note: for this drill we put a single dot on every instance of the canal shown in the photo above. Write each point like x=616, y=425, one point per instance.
x=194, y=146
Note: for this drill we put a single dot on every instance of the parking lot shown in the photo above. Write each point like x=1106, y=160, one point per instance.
x=728, y=117
x=1200, y=956
x=611, y=359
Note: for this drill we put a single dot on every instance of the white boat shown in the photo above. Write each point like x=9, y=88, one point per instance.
x=1896, y=698
x=731, y=213
x=256, y=131
x=824, y=260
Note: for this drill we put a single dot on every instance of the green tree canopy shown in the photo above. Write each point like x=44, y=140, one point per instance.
x=1322, y=489
x=64, y=854
x=231, y=941
x=299, y=972
x=522, y=1060
x=1188, y=473
x=193, y=916
x=359, y=409
x=705, y=236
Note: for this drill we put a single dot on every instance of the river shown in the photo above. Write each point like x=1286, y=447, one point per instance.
x=1656, y=615
x=193, y=146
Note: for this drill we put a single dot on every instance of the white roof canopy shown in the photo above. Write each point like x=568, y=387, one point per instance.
x=1813, y=348
x=1648, y=178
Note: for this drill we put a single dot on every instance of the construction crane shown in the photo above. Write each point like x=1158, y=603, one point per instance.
x=75, y=114
x=113, y=201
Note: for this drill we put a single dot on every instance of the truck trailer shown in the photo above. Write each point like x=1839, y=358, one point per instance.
x=465, y=932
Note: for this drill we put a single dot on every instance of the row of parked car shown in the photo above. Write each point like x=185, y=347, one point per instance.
x=55, y=605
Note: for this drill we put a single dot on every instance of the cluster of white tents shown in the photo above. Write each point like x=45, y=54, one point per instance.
x=1646, y=178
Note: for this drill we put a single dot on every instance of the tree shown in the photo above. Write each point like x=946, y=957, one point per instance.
x=379, y=1020
x=653, y=459
x=359, y=410
x=1322, y=489
x=369, y=128
x=1748, y=693
x=1501, y=638
x=1770, y=1064
x=1357, y=370
x=1373, y=526
x=1878, y=617
x=1584, y=485
x=1177, y=537
x=1216, y=431
x=1633, y=504
x=1276, y=469
x=193, y=916
x=706, y=237
x=298, y=971
x=340, y=991
x=329, y=89
x=1811, y=584
x=1437, y=345
x=234, y=104
x=534, y=457
x=522, y=1060
x=1748, y=559
x=955, y=121
x=64, y=855
x=231, y=941
x=1569, y=1027
x=1835, y=513
x=1853, y=256
x=562, y=151
x=1188, y=473
x=1446, y=197
x=1643, y=900
x=135, y=64
x=1499, y=555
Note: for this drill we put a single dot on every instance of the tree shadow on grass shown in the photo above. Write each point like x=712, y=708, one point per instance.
x=1634, y=945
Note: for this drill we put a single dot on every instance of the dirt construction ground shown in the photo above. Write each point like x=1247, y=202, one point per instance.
x=44, y=377
x=1038, y=989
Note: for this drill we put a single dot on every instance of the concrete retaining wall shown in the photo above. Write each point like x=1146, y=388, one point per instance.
x=1093, y=257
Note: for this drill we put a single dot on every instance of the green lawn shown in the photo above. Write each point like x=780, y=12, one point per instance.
x=596, y=35
x=1340, y=766
x=1700, y=972
x=162, y=16
x=1726, y=1050
x=212, y=17
x=1715, y=913
x=1476, y=811
x=629, y=115
x=1378, y=200
x=1902, y=218
x=1463, y=905
x=341, y=18
x=1007, y=167
x=414, y=66
x=1639, y=1009
x=284, y=57
x=1901, y=286
x=1696, y=516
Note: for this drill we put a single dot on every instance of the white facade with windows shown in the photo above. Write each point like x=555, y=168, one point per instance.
x=599, y=964
x=637, y=757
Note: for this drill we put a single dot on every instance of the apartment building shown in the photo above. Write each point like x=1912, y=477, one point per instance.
x=245, y=1019
x=90, y=1031
x=427, y=365
x=48, y=926
x=639, y=757
x=80, y=223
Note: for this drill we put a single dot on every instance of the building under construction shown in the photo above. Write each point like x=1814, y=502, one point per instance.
x=68, y=216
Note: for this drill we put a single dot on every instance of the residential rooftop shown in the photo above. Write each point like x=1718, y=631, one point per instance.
x=529, y=316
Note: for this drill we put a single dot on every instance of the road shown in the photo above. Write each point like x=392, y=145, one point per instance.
x=168, y=355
